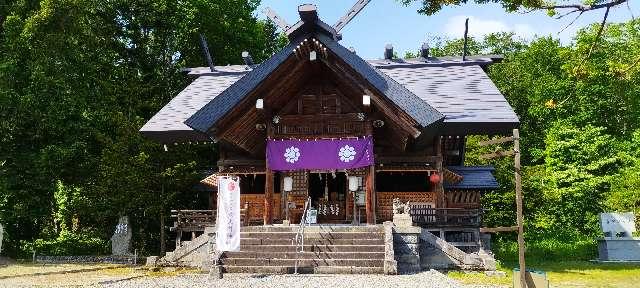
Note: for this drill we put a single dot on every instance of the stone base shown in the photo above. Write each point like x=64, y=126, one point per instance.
x=495, y=273
x=215, y=272
x=619, y=249
x=152, y=261
x=402, y=220
x=285, y=223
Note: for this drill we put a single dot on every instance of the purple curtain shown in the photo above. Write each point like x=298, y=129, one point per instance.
x=349, y=153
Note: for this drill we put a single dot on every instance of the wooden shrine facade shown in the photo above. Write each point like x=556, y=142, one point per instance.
x=417, y=111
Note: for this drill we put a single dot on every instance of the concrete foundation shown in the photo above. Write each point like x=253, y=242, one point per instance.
x=619, y=249
x=414, y=254
x=406, y=246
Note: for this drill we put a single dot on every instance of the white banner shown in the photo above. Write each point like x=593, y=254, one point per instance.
x=228, y=222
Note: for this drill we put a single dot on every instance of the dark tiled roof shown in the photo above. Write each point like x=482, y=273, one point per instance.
x=221, y=104
x=430, y=62
x=205, y=118
x=172, y=116
x=463, y=93
x=411, y=104
x=474, y=177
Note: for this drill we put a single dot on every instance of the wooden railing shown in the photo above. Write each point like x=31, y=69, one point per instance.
x=427, y=216
x=196, y=220
x=192, y=220
x=327, y=125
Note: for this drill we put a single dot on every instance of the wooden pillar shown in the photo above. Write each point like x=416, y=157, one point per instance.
x=268, y=197
x=439, y=189
x=369, y=190
x=268, y=185
x=519, y=216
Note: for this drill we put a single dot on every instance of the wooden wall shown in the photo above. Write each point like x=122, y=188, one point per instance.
x=256, y=206
x=463, y=198
x=384, y=207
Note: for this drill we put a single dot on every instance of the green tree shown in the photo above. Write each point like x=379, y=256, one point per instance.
x=78, y=78
x=563, y=8
x=580, y=163
x=625, y=190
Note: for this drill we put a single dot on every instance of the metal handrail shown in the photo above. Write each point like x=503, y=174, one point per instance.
x=300, y=234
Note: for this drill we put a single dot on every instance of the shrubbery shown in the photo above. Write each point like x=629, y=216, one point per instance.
x=542, y=250
x=66, y=244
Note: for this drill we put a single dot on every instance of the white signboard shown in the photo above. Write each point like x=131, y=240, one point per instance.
x=615, y=223
x=360, y=198
x=228, y=222
x=312, y=216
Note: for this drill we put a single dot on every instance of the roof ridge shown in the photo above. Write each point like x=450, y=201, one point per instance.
x=206, y=118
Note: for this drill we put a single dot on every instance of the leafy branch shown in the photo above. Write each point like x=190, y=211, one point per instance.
x=582, y=7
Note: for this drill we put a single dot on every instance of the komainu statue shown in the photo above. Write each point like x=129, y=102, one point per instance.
x=400, y=208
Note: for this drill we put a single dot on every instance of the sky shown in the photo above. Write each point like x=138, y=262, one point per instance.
x=389, y=22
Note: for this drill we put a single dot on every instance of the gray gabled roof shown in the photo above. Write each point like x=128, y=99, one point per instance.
x=167, y=126
x=220, y=105
x=473, y=177
x=206, y=118
x=464, y=93
x=410, y=103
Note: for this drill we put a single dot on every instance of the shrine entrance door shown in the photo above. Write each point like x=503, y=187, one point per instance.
x=328, y=193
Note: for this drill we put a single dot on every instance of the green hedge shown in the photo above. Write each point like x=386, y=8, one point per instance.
x=67, y=244
x=544, y=250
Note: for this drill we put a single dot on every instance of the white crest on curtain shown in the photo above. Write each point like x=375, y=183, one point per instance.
x=347, y=153
x=292, y=154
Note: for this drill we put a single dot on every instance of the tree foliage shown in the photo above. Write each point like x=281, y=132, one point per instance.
x=558, y=9
x=579, y=132
x=78, y=79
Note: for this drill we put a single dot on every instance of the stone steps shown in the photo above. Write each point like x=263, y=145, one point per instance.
x=310, y=235
x=303, y=270
x=310, y=229
x=302, y=262
x=313, y=248
x=311, y=241
x=305, y=255
x=327, y=250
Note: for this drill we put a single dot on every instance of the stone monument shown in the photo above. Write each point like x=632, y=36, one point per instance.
x=401, y=214
x=618, y=225
x=618, y=243
x=121, y=239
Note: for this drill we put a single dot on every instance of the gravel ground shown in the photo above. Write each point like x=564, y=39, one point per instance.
x=64, y=275
x=425, y=279
x=119, y=276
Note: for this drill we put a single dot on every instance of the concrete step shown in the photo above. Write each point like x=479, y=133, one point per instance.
x=312, y=235
x=313, y=248
x=312, y=229
x=302, y=262
x=306, y=255
x=187, y=248
x=312, y=241
x=303, y=270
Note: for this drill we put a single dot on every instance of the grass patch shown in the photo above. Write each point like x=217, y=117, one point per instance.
x=565, y=274
x=546, y=250
x=566, y=264
x=15, y=270
x=482, y=279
